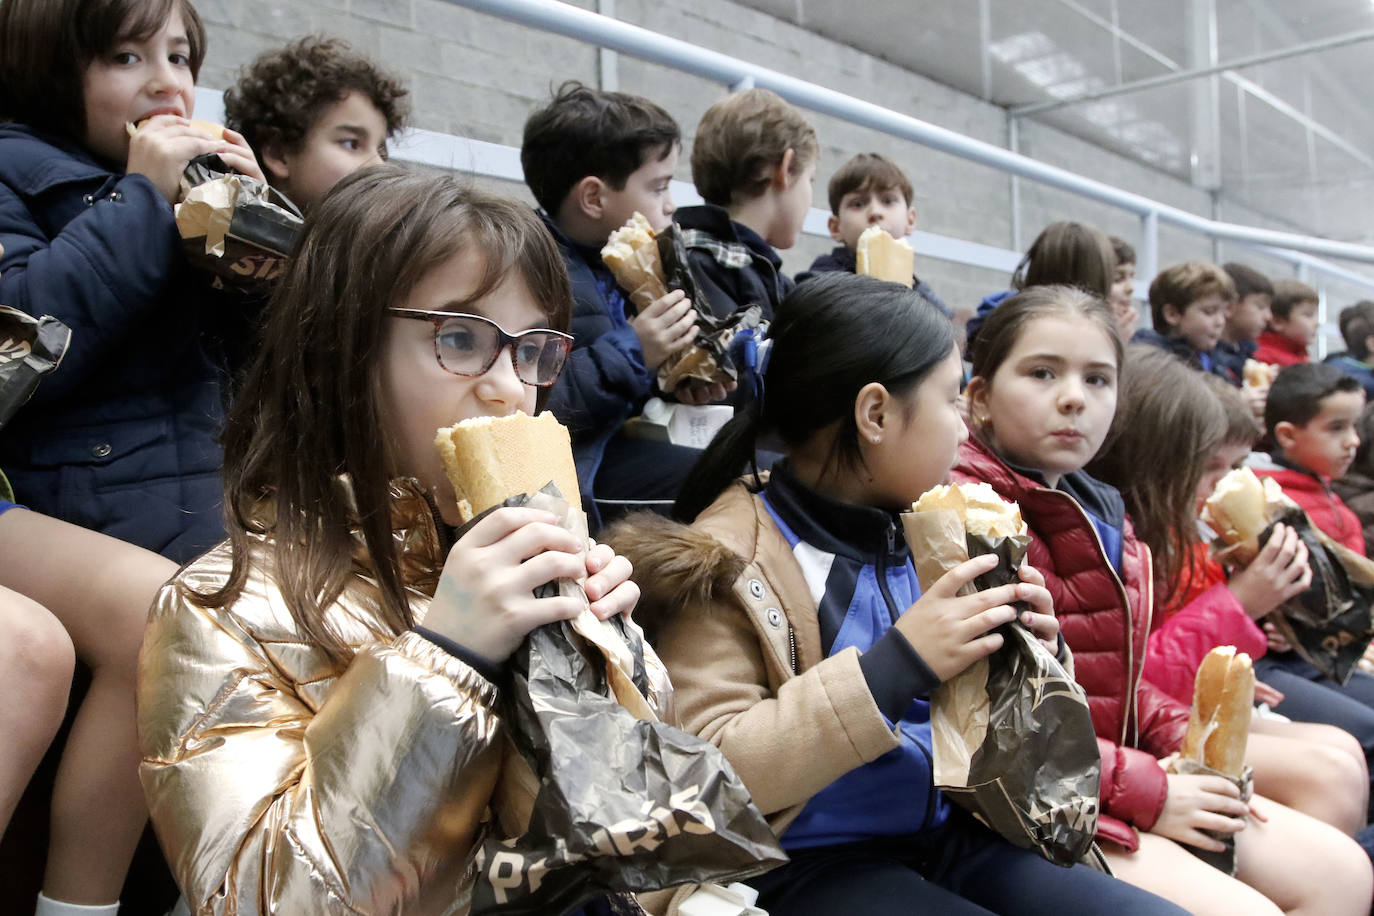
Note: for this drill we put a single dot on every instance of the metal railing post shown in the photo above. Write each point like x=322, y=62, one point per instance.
x=1147, y=264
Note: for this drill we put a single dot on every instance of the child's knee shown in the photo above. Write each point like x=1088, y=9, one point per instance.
x=1339, y=767
x=35, y=652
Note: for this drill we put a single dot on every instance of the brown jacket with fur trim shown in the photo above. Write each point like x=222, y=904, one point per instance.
x=731, y=616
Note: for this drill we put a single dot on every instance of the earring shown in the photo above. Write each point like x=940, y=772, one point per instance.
x=877, y=439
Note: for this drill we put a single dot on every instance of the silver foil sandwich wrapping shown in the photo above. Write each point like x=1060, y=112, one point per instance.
x=30, y=348
x=235, y=227
x=1013, y=740
x=708, y=359
x=599, y=796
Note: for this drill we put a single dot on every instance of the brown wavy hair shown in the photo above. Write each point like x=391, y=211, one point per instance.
x=1168, y=423
x=312, y=406
x=281, y=94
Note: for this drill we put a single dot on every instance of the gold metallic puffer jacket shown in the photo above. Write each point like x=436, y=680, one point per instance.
x=280, y=782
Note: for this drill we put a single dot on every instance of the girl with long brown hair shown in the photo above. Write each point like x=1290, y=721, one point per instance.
x=1177, y=431
x=316, y=694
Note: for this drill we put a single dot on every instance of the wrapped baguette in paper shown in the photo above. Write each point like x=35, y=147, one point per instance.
x=491, y=459
x=632, y=255
x=596, y=795
x=233, y=226
x=1218, y=732
x=648, y=266
x=1013, y=741
x=1329, y=623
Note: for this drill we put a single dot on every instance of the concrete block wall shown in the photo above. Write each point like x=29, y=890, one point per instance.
x=477, y=76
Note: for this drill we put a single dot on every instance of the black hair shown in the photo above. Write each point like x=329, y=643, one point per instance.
x=832, y=336
x=1296, y=395
x=1357, y=324
x=1248, y=281
x=584, y=132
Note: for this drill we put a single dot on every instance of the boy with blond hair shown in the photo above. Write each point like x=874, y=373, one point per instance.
x=1292, y=324
x=1188, y=306
x=754, y=162
x=869, y=190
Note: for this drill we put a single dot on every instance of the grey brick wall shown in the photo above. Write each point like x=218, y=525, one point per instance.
x=477, y=76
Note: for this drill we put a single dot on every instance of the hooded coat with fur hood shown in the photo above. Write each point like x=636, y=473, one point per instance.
x=731, y=615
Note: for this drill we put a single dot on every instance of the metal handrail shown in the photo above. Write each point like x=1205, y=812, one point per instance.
x=625, y=38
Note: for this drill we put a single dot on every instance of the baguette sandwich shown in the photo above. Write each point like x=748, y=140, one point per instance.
x=982, y=512
x=490, y=459
x=1241, y=507
x=1219, y=724
x=879, y=255
x=216, y=131
x=1255, y=374
x=632, y=255
x=649, y=265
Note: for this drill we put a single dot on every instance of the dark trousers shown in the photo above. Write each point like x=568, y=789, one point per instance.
x=959, y=869
x=1310, y=696
x=640, y=474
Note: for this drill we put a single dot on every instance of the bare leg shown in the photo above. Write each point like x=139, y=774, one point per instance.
x=1303, y=865
x=1319, y=770
x=35, y=676
x=100, y=589
x=1163, y=867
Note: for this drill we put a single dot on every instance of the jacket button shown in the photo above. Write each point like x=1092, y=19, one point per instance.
x=114, y=196
x=774, y=618
x=88, y=199
x=756, y=588
x=102, y=450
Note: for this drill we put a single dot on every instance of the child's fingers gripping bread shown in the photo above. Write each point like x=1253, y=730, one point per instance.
x=490, y=459
x=880, y=255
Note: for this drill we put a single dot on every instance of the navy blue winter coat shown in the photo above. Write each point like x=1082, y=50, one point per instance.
x=122, y=437
x=842, y=259
x=605, y=381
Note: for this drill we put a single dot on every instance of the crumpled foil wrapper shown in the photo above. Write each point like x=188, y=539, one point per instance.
x=1013, y=740
x=600, y=797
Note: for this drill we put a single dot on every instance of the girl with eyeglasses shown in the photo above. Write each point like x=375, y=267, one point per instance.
x=317, y=694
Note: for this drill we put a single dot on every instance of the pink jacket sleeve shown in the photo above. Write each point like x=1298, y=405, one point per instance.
x=1214, y=618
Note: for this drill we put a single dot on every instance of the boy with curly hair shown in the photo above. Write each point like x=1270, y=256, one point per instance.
x=336, y=115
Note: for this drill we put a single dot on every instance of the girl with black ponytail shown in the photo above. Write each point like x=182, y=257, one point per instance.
x=790, y=618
